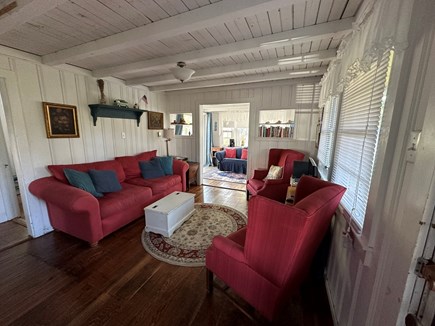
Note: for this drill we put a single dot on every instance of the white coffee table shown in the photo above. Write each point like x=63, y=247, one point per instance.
x=167, y=214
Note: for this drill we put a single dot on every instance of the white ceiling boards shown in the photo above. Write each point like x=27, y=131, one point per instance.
x=226, y=42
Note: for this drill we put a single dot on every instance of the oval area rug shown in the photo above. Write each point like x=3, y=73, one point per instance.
x=187, y=245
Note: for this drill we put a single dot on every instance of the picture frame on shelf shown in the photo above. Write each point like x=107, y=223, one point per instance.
x=60, y=120
x=155, y=120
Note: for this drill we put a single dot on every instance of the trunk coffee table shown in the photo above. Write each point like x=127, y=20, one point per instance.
x=167, y=214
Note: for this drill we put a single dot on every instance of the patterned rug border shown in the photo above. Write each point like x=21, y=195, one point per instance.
x=188, y=263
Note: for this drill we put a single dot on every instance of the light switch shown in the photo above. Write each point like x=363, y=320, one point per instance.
x=123, y=135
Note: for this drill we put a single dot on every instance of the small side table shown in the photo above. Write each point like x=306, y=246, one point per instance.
x=290, y=197
x=193, y=170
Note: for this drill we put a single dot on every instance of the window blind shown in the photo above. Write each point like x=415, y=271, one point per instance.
x=327, y=135
x=357, y=136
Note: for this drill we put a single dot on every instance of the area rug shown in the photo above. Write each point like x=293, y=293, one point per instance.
x=215, y=174
x=187, y=245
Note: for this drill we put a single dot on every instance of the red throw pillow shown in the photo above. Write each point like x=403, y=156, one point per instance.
x=244, y=154
x=230, y=153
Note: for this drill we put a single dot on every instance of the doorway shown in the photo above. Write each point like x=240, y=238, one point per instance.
x=224, y=126
x=13, y=226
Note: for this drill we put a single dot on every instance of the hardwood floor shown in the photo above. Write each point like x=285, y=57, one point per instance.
x=59, y=280
x=12, y=233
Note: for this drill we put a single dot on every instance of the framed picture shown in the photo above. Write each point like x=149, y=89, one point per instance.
x=155, y=120
x=60, y=120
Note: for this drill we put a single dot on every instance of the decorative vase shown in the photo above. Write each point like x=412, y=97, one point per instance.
x=101, y=87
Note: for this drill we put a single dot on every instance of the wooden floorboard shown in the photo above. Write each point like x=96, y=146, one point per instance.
x=59, y=280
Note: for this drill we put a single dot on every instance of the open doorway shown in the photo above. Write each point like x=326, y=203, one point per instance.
x=225, y=145
x=13, y=228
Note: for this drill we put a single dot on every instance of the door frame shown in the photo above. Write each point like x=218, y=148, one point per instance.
x=9, y=194
x=200, y=144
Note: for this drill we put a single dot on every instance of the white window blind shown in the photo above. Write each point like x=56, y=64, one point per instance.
x=357, y=136
x=327, y=135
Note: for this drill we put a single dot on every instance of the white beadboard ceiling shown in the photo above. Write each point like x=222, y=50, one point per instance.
x=226, y=42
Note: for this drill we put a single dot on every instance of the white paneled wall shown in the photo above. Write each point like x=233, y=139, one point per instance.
x=272, y=95
x=27, y=84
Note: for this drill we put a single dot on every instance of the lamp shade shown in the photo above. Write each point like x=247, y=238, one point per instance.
x=181, y=72
x=168, y=133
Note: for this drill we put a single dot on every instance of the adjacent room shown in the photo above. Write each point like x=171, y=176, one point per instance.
x=217, y=162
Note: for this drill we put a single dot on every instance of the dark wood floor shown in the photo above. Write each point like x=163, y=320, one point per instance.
x=59, y=280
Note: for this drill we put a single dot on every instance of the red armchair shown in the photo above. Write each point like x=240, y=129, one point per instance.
x=265, y=262
x=277, y=188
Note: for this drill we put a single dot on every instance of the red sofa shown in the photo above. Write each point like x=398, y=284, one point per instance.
x=80, y=214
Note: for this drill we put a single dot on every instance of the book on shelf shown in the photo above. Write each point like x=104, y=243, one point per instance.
x=276, y=131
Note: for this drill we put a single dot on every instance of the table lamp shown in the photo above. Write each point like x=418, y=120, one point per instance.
x=168, y=134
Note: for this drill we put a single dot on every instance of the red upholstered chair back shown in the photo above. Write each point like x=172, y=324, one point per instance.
x=284, y=158
x=281, y=248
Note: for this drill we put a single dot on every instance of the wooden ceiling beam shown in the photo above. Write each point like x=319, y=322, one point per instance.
x=241, y=80
x=213, y=14
x=293, y=60
x=24, y=11
x=297, y=36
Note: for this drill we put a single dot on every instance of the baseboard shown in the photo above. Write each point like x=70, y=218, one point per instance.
x=331, y=303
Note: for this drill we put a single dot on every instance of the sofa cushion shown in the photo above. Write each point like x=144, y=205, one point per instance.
x=130, y=164
x=244, y=155
x=151, y=169
x=230, y=152
x=166, y=162
x=157, y=185
x=275, y=172
x=81, y=180
x=111, y=165
x=105, y=180
x=57, y=170
x=130, y=196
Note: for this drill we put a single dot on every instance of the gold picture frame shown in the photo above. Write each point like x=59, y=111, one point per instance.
x=155, y=120
x=60, y=120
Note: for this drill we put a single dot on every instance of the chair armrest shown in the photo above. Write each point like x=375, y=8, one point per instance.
x=260, y=174
x=64, y=196
x=180, y=168
x=229, y=248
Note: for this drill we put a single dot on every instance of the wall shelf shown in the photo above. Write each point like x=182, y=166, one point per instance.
x=112, y=111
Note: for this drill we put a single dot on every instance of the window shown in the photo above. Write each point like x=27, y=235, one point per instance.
x=327, y=135
x=357, y=136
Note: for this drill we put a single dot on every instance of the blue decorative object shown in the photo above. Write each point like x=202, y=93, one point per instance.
x=81, y=180
x=151, y=169
x=105, y=180
x=166, y=163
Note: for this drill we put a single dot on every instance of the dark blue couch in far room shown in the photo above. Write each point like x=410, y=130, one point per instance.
x=236, y=165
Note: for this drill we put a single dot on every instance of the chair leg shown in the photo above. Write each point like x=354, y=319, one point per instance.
x=209, y=278
x=247, y=195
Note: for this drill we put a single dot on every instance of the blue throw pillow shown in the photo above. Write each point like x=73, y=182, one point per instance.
x=166, y=162
x=105, y=180
x=151, y=169
x=81, y=180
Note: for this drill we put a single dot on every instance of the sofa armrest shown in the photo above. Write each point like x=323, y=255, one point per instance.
x=229, y=248
x=260, y=174
x=220, y=155
x=63, y=195
x=71, y=210
x=180, y=168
